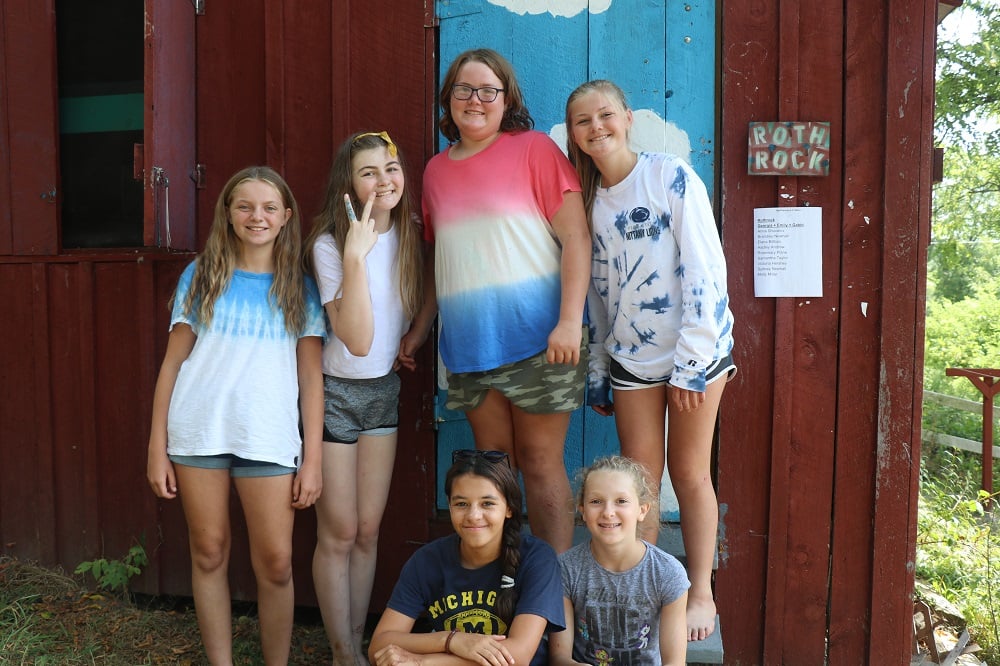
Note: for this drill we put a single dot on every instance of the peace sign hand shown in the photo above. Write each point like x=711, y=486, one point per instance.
x=361, y=234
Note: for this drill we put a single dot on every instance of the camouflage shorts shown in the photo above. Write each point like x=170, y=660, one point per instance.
x=533, y=385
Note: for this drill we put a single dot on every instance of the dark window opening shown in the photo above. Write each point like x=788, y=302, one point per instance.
x=100, y=60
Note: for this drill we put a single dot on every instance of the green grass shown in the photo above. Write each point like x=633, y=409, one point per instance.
x=958, y=545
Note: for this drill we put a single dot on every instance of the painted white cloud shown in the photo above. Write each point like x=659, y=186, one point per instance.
x=564, y=8
x=650, y=133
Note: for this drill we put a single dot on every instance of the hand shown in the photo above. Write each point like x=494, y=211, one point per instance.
x=684, y=400
x=408, y=347
x=307, y=486
x=161, y=476
x=361, y=234
x=564, y=342
x=604, y=410
x=393, y=655
x=484, y=649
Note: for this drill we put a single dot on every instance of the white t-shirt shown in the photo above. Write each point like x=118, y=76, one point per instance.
x=387, y=306
x=238, y=390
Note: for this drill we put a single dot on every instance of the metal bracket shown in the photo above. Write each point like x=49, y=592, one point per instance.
x=198, y=176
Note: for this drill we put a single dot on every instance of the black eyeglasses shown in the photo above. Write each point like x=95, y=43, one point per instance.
x=486, y=94
x=464, y=455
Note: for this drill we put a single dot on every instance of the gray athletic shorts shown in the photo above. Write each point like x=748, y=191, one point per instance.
x=534, y=385
x=357, y=407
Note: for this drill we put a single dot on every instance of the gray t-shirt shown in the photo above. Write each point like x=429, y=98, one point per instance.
x=616, y=615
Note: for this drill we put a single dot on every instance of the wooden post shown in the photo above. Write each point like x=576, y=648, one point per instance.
x=986, y=381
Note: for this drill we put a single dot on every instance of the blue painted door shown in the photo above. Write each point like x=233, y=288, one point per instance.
x=661, y=53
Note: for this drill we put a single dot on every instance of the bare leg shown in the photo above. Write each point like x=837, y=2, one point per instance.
x=535, y=444
x=639, y=417
x=205, y=496
x=689, y=458
x=376, y=457
x=540, y=440
x=267, y=506
x=336, y=533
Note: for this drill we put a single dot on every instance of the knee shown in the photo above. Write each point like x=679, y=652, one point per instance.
x=367, y=538
x=209, y=554
x=337, y=539
x=274, y=567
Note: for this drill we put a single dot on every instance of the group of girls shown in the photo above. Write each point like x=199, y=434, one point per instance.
x=280, y=378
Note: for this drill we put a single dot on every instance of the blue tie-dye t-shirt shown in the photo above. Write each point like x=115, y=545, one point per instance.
x=237, y=392
x=658, y=301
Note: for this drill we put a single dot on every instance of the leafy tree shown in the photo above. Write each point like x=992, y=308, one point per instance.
x=968, y=80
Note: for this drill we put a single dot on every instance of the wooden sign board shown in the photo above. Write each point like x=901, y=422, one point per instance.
x=787, y=148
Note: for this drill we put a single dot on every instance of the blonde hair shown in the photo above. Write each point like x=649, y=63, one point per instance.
x=627, y=466
x=215, y=265
x=588, y=172
x=332, y=219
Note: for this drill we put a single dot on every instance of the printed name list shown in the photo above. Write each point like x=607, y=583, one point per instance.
x=788, y=251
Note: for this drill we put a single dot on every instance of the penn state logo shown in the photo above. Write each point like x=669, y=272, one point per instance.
x=639, y=215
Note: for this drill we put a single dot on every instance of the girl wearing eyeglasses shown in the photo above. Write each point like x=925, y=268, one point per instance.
x=369, y=275
x=511, y=265
x=489, y=592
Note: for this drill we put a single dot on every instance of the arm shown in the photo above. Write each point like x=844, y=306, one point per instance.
x=309, y=479
x=704, y=294
x=570, y=226
x=421, y=326
x=159, y=470
x=351, y=315
x=394, y=644
x=673, y=632
x=561, y=642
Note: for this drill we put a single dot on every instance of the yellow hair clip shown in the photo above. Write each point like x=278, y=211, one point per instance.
x=393, y=151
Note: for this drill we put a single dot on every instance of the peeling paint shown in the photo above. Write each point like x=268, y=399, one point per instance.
x=563, y=8
x=868, y=220
x=864, y=309
x=850, y=204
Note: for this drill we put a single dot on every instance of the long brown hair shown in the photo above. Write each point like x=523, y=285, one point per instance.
x=332, y=219
x=214, y=266
x=589, y=174
x=502, y=476
x=515, y=116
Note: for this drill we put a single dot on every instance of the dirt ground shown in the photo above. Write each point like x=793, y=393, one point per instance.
x=75, y=625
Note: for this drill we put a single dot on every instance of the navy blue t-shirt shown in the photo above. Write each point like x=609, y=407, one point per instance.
x=434, y=582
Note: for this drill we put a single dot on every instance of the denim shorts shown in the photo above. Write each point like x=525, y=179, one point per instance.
x=238, y=467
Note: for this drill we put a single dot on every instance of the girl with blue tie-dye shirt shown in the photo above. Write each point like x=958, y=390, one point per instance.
x=242, y=366
x=661, y=328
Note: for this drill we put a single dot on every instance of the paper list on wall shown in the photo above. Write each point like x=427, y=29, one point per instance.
x=788, y=251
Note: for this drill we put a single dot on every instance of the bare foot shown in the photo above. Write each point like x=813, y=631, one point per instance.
x=700, y=617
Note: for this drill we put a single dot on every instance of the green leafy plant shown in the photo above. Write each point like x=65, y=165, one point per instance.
x=114, y=575
x=958, y=552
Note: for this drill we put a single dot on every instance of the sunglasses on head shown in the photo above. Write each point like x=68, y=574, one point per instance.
x=472, y=454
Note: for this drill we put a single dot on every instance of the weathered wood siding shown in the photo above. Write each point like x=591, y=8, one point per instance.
x=85, y=331
x=819, y=445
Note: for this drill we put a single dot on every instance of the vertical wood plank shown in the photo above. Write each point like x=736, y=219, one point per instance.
x=32, y=180
x=909, y=120
x=169, y=119
x=860, y=327
x=749, y=64
x=75, y=469
x=230, y=75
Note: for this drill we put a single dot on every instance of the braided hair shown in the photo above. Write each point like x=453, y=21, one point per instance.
x=501, y=475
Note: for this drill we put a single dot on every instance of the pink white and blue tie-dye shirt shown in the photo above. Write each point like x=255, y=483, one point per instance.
x=497, y=257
